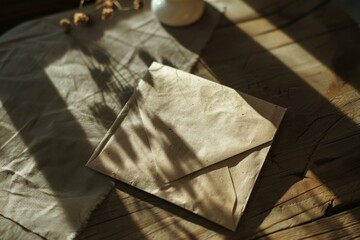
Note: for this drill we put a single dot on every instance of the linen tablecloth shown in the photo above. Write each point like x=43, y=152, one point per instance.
x=59, y=93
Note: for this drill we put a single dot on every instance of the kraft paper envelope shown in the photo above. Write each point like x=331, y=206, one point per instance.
x=190, y=141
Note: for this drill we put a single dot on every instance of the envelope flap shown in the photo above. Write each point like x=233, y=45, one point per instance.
x=211, y=195
x=192, y=123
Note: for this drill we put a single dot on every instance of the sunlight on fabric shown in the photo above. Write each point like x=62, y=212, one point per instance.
x=76, y=86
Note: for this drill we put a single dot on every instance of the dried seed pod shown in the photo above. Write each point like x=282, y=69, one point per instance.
x=109, y=4
x=65, y=22
x=81, y=18
x=107, y=13
x=138, y=4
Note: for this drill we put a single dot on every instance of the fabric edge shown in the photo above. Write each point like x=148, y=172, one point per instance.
x=85, y=220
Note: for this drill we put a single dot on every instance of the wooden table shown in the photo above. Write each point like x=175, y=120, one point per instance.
x=303, y=55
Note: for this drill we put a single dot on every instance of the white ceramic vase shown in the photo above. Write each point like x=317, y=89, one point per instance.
x=177, y=13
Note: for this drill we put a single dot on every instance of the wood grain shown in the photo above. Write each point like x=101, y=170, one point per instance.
x=325, y=228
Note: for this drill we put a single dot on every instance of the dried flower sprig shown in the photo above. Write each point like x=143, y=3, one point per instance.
x=108, y=8
x=81, y=18
x=107, y=13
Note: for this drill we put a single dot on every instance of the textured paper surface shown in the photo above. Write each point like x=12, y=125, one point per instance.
x=59, y=94
x=195, y=143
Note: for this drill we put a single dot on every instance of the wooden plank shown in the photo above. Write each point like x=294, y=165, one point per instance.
x=242, y=11
x=322, y=124
x=254, y=37
x=339, y=226
x=283, y=16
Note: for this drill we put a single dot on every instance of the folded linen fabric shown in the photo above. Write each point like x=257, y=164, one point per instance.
x=195, y=143
x=59, y=93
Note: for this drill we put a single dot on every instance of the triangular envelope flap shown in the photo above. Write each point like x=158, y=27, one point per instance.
x=124, y=153
x=193, y=123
